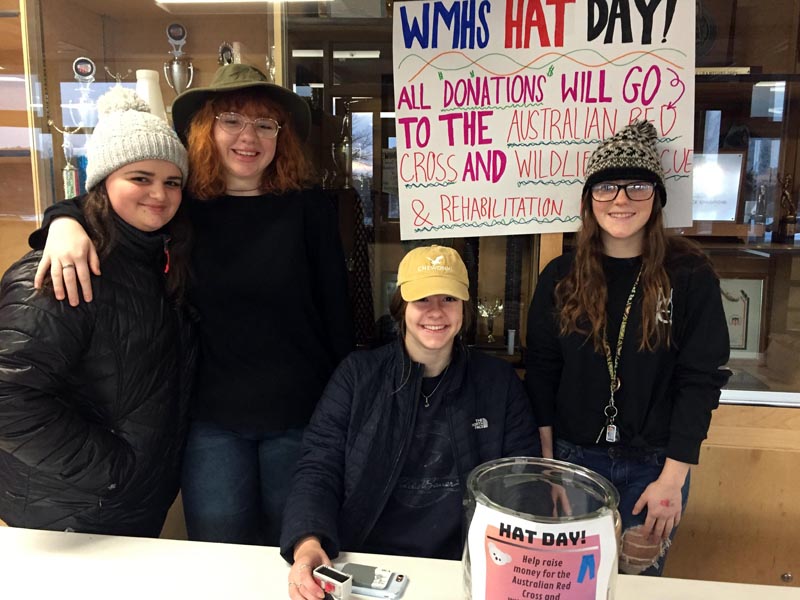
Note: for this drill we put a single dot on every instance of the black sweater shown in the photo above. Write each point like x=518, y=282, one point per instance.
x=270, y=286
x=271, y=289
x=667, y=396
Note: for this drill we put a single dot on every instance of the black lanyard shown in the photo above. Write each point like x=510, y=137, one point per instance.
x=611, y=411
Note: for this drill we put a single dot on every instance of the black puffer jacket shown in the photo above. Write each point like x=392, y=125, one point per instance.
x=355, y=446
x=93, y=399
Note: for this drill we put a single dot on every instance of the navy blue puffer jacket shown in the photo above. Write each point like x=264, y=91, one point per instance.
x=355, y=446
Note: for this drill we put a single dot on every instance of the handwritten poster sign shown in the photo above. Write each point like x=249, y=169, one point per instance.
x=500, y=103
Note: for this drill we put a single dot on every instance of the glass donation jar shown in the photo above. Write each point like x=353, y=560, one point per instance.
x=540, y=529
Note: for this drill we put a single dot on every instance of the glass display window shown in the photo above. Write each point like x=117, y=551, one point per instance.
x=338, y=56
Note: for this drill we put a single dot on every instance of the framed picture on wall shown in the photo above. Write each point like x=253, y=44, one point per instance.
x=743, y=302
x=716, y=187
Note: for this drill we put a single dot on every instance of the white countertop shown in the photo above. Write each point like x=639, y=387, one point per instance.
x=45, y=564
x=747, y=397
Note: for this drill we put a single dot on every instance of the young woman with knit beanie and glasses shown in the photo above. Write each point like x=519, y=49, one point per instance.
x=268, y=286
x=626, y=345
x=94, y=400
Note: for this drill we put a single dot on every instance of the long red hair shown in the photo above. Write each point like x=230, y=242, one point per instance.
x=582, y=295
x=289, y=170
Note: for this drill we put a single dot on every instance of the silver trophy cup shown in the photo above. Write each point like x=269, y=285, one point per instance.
x=179, y=73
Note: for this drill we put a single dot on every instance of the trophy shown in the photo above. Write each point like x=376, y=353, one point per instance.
x=787, y=224
x=178, y=72
x=489, y=309
x=342, y=151
x=758, y=216
x=70, y=173
x=226, y=54
x=83, y=69
x=269, y=61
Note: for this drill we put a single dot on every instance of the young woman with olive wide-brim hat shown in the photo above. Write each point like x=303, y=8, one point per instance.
x=269, y=286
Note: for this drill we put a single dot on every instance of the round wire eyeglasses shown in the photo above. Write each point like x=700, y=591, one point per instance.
x=234, y=123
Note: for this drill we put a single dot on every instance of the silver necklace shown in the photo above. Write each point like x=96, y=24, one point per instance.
x=428, y=396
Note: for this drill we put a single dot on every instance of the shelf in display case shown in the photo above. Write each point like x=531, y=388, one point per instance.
x=15, y=153
x=701, y=71
x=705, y=75
x=731, y=246
x=722, y=229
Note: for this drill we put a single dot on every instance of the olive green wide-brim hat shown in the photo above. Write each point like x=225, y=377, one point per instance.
x=233, y=77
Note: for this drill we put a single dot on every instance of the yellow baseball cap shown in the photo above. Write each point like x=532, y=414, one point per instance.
x=430, y=270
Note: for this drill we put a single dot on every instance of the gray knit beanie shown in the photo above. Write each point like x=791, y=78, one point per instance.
x=629, y=154
x=127, y=132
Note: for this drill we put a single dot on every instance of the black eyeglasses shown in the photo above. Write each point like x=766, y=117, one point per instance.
x=234, y=123
x=638, y=191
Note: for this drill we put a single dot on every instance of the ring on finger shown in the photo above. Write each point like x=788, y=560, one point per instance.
x=67, y=266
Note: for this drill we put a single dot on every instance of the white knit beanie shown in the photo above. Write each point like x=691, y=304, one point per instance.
x=127, y=132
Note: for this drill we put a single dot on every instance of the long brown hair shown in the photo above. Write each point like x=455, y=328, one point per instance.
x=582, y=295
x=101, y=229
x=289, y=170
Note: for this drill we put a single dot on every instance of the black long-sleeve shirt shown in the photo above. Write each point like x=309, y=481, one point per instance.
x=270, y=287
x=666, y=396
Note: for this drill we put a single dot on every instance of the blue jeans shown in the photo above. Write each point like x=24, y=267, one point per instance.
x=235, y=485
x=630, y=472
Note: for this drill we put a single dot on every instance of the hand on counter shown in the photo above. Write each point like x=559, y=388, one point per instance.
x=308, y=555
x=662, y=498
